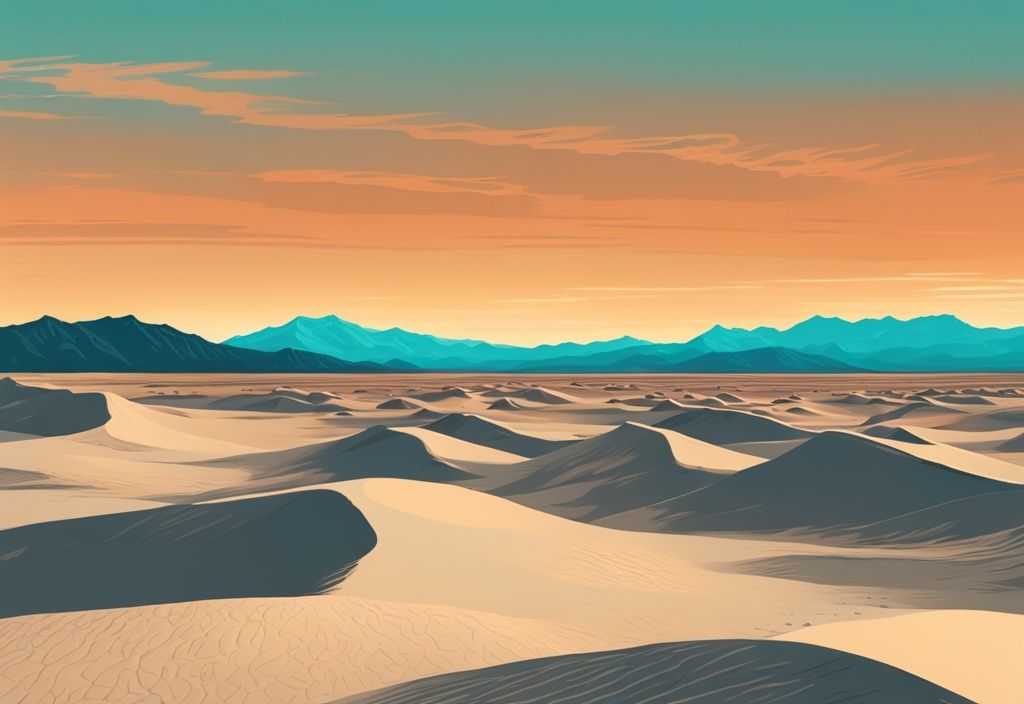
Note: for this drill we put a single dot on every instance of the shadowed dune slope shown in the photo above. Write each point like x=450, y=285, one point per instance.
x=631, y=466
x=283, y=545
x=482, y=431
x=35, y=410
x=721, y=426
x=405, y=453
x=837, y=482
x=891, y=432
x=734, y=671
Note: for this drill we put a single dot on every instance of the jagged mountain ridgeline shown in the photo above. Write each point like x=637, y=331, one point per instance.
x=941, y=343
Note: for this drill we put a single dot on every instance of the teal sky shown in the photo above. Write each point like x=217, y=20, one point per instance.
x=697, y=162
x=709, y=42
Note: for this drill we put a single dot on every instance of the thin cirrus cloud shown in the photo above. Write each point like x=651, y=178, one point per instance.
x=867, y=163
x=39, y=116
x=489, y=186
x=245, y=75
x=667, y=289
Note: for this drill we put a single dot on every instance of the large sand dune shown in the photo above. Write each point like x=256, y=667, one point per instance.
x=834, y=483
x=287, y=545
x=735, y=671
x=488, y=433
x=631, y=466
x=722, y=427
x=33, y=410
x=975, y=653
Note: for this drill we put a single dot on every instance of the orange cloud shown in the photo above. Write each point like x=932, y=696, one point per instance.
x=20, y=115
x=245, y=75
x=404, y=182
x=866, y=163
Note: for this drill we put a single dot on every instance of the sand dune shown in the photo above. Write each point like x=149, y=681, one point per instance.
x=974, y=653
x=276, y=651
x=443, y=395
x=97, y=418
x=507, y=404
x=739, y=671
x=918, y=409
x=721, y=427
x=397, y=404
x=631, y=466
x=833, y=483
x=1014, y=445
x=964, y=400
x=34, y=410
x=669, y=404
x=287, y=545
x=896, y=433
x=375, y=452
x=539, y=394
x=488, y=433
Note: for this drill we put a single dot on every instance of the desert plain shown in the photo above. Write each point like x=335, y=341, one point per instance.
x=501, y=538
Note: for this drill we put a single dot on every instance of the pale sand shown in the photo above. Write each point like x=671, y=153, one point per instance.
x=974, y=653
x=462, y=579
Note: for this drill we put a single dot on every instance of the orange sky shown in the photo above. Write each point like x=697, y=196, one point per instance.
x=220, y=199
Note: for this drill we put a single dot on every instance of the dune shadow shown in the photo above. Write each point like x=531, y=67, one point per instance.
x=291, y=544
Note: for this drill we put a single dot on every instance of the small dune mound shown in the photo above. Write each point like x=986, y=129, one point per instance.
x=281, y=545
x=443, y=394
x=283, y=399
x=802, y=411
x=35, y=410
x=628, y=467
x=726, y=397
x=1014, y=445
x=482, y=431
x=538, y=394
x=915, y=409
x=426, y=414
x=896, y=433
x=835, y=483
x=669, y=404
x=964, y=400
x=397, y=404
x=635, y=401
x=666, y=673
x=507, y=404
x=856, y=399
x=322, y=397
x=724, y=427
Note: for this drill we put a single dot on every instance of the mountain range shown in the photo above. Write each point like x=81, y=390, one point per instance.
x=127, y=344
x=940, y=343
x=818, y=344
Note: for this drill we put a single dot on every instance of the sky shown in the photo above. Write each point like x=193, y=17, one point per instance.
x=520, y=172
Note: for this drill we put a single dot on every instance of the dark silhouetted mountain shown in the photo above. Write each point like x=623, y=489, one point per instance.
x=129, y=345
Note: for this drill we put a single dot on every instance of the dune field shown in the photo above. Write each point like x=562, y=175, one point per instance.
x=404, y=539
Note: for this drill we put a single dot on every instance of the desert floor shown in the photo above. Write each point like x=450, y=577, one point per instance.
x=483, y=538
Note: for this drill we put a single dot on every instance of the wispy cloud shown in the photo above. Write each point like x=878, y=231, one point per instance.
x=38, y=116
x=490, y=186
x=245, y=75
x=868, y=163
x=667, y=289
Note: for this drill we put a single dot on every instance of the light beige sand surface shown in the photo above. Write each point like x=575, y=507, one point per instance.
x=486, y=556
